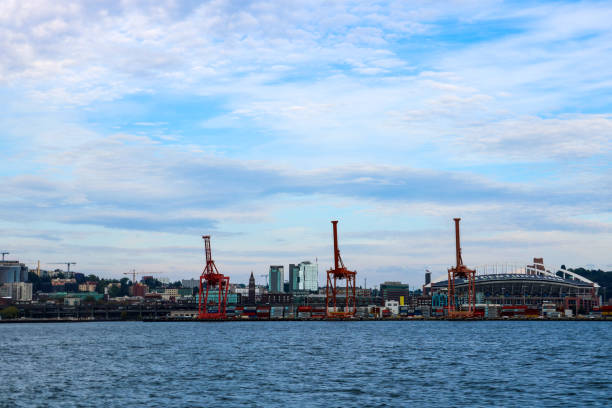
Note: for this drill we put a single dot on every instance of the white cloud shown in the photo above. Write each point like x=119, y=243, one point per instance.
x=353, y=112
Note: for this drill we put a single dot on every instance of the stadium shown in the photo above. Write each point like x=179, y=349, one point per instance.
x=531, y=285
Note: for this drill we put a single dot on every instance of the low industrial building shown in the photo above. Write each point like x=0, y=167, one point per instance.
x=395, y=291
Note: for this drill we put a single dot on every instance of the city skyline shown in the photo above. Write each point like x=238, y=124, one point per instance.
x=129, y=130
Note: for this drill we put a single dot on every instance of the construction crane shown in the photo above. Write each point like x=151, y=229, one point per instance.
x=463, y=272
x=339, y=272
x=212, y=277
x=134, y=273
x=64, y=263
x=4, y=253
x=265, y=276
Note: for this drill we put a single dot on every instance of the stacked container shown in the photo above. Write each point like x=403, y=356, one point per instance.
x=263, y=312
x=276, y=312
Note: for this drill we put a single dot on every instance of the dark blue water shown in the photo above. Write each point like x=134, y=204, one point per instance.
x=291, y=364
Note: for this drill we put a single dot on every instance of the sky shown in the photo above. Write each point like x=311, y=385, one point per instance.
x=129, y=129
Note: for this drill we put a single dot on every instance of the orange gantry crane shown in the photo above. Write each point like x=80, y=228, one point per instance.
x=463, y=272
x=339, y=272
x=211, y=277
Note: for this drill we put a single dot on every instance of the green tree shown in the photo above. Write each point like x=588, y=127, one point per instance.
x=125, y=286
x=604, y=279
x=93, y=278
x=152, y=283
x=35, y=280
x=114, y=291
x=100, y=286
x=10, y=312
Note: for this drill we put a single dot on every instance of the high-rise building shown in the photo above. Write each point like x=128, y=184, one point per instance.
x=294, y=277
x=252, y=289
x=303, y=276
x=276, y=278
x=310, y=273
x=188, y=283
x=13, y=271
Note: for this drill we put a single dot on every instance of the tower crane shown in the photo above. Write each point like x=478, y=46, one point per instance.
x=4, y=253
x=64, y=263
x=134, y=273
x=265, y=276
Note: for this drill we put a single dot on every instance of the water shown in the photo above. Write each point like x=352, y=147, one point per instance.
x=293, y=364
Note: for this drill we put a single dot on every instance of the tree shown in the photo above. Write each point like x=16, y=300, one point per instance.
x=604, y=279
x=35, y=280
x=100, y=285
x=152, y=283
x=89, y=299
x=114, y=291
x=39, y=283
x=10, y=312
x=176, y=284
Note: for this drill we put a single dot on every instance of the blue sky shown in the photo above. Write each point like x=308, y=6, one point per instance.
x=131, y=128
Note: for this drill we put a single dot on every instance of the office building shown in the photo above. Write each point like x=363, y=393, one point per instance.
x=395, y=291
x=190, y=283
x=276, y=278
x=19, y=291
x=303, y=277
x=13, y=271
x=294, y=277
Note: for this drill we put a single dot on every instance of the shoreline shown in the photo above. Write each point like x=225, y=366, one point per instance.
x=171, y=320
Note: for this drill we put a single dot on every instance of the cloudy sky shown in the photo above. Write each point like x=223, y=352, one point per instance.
x=131, y=128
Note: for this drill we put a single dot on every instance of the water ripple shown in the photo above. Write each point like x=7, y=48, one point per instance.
x=306, y=364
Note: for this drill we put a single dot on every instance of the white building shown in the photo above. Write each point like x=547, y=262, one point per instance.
x=244, y=292
x=304, y=276
x=393, y=306
x=20, y=291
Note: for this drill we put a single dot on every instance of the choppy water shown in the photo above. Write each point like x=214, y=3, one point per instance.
x=291, y=364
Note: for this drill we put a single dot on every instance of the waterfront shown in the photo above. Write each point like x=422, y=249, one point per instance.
x=306, y=364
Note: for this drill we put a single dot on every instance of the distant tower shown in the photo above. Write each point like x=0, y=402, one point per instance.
x=252, y=289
